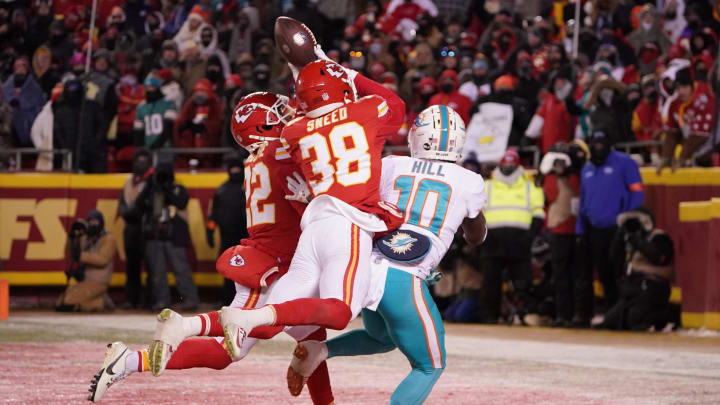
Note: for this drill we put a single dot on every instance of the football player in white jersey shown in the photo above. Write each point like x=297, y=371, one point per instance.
x=437, y=197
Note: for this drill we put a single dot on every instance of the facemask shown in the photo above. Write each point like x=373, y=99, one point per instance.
x=153, y=96
x=606, y=96
x=599, y=154
x=652, y=96
x=262, y=78
x=93, y=230
x=563, y=91
x=525, y=70
x=55, y=38
x=140, y=167
x=670, y=15
x=214, y=75
x=20, y=80
x=479, y=79
x=507, y=170
x=236, y=177
x=646, y=26
x=200, y=98
x=447, y=87
x=425, y=98
x=357, y=63
x=375, y=48
x=701, y=74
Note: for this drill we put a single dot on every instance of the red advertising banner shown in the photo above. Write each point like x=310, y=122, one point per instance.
x=36, y=211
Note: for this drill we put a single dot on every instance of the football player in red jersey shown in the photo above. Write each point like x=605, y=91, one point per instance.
x=273, y=227
x=338, y=145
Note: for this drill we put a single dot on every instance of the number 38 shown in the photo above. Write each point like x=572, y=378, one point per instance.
x=352, y=162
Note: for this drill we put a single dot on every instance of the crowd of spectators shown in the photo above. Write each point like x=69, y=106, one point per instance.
x=166, y=73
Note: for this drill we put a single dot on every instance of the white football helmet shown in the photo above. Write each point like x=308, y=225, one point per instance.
x=438, y=133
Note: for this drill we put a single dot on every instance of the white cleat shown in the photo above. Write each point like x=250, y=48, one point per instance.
x=169, y=333
x=236, y=328
x=307, y=357
x=112, y=371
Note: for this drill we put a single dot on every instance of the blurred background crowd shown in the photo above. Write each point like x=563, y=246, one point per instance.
x=558, y=85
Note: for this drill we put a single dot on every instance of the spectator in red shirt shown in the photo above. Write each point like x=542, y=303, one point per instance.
x=552, y=121
x=560, y=178
x=450, y=96
x=647, y=120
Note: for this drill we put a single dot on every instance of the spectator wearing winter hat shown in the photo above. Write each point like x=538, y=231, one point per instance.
x=242, y=36
x=514, y=214
x=59, y=42
x=422, y=64
x=193, y=65
x=25, y=97
x=171, y=89
x=552, y=122
x=42, y=131
x=610, y=185
x=130, y=94
x=99, y=108
x=190, y=30
x=169, y=59
x=66, y=117
x=156, y=109
x=41, y=63
x=208, y=43
x=478, y=85
x=39, y=29
x=689, y=120
x=450, y=96
x=647, y=120
x=608, y=107
x=200, y=120
x=650, y=30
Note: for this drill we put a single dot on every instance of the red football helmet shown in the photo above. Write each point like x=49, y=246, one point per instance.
x=322, y=83
x=259, y=117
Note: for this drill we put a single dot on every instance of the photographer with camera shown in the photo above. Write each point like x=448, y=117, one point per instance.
x=648, y=255
x=560, y=179
x=162, y=205
x=92, y=251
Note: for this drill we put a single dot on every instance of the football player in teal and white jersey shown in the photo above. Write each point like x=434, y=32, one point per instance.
x=437, y=197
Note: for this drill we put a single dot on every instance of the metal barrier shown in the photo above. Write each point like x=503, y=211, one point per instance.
x=156, y=153
x=20, y=152
x=628, y=146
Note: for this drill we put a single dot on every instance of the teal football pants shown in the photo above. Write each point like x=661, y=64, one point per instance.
x=408, y=319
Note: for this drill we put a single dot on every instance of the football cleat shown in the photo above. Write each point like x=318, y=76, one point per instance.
x=169, y=333
x=235, y=327
x=112, y=371
x=307, y=357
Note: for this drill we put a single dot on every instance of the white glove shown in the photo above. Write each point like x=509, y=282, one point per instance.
x=321, y=54
x=299, y=188
x=547, y=162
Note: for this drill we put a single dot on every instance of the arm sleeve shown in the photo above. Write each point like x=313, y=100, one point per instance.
x=634, y=184
x=179, y=197
x=537, y=201
x=477, y=197
x=103, y=256
x=580, y=223
x=394, y=117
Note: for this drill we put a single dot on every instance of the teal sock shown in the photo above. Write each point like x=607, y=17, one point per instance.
x=356, y=343
x=416, y=387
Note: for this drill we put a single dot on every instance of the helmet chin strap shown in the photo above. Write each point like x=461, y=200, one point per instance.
x=320, y=111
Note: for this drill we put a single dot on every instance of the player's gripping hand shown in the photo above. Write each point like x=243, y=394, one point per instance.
x=299, y=188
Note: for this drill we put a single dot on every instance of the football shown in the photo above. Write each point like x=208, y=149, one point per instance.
x=295, y=41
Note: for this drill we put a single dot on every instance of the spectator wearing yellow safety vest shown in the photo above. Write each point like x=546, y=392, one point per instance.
x=515, y=215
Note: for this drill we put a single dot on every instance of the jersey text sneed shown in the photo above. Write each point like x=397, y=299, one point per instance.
x=337, y=115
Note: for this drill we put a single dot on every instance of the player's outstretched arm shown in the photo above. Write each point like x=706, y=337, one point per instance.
x=475, y=229
x=396, y=106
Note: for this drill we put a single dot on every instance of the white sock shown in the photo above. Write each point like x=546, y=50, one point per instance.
x=192, y=325
x=131, y=362
x=261, y=316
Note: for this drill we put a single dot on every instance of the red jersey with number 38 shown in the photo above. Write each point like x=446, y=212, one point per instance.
x=340, y=152
x=273, y=221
